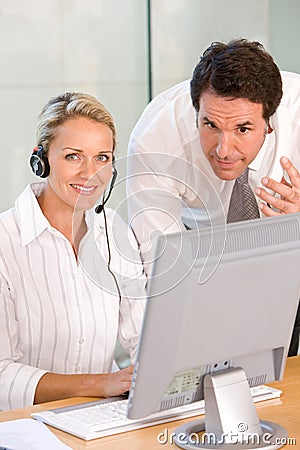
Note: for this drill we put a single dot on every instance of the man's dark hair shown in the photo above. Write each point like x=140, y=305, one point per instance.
x=239, y=69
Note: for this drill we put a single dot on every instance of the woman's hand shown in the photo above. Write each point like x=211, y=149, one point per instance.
x=54, y=386
x=116, y=383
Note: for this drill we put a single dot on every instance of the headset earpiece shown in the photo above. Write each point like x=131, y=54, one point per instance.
x=39, y=162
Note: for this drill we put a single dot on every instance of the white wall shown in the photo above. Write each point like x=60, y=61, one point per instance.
x=183, y=29
x=50, y=46
x=100, y=47
x=285, y=33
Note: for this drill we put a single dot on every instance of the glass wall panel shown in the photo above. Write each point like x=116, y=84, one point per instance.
x=101, y=47
x=48, y=47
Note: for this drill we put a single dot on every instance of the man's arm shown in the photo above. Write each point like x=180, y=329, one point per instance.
x=154, y=198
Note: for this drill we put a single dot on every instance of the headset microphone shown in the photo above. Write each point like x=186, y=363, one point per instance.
x=100, y=207
x=98, y=210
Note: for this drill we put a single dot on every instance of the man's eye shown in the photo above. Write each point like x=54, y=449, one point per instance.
x=210, y=125
x=243, y=130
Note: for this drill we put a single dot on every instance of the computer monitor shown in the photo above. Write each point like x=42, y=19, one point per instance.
x=219, y=317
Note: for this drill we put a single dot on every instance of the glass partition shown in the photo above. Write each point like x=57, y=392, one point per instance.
x=107, y=48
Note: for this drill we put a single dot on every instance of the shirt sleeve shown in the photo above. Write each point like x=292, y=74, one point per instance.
x=156, y=184
x=17, y=381
x=160, y=167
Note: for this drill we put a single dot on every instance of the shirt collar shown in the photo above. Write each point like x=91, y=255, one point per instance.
x=32, y=220
x=257, y=162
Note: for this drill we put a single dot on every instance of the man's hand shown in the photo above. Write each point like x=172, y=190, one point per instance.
x=288, y=199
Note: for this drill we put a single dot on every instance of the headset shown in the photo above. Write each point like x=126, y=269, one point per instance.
x=100, y=207
x=39, y=162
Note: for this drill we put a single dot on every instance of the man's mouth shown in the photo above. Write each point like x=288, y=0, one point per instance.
x=224, y=164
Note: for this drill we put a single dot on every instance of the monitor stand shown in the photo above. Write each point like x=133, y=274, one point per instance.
x=231, y=420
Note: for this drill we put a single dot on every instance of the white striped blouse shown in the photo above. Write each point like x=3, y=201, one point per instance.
x=58, y=314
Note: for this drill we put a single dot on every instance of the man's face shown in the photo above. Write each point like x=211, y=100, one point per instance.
x=231, y=133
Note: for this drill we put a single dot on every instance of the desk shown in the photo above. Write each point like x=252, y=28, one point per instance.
x=285, y=411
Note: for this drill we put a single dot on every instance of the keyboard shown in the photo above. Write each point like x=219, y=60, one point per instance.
x=101, y=418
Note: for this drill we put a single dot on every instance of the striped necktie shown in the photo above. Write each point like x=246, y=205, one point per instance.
x=243, y=205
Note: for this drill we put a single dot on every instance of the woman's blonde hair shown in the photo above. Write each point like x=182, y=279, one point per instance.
x=70, y=105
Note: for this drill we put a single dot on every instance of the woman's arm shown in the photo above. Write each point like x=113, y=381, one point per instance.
x=54, y=386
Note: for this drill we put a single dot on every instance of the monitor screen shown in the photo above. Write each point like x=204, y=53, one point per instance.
x=219, y=300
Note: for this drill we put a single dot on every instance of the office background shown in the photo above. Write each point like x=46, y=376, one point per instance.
x=106, y=48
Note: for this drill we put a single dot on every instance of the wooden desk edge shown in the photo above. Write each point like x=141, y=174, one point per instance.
x=269, y=410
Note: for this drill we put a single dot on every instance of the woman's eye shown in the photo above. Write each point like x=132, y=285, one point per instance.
x=72, y=156
x=103, y=158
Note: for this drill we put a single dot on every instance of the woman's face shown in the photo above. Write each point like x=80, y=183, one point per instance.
x=80, y=158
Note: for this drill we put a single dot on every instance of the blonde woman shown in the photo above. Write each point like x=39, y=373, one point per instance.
x=67, y=291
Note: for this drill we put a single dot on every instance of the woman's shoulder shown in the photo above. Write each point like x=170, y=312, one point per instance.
x=8, y=220
x=117, y=228
x=10, y=236
x=113, y=218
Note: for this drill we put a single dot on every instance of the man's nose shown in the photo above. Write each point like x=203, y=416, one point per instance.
x=224, y=145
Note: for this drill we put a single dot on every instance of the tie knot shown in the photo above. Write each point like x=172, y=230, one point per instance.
x=243, y=179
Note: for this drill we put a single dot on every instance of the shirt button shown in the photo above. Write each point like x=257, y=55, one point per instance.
x=81, y=341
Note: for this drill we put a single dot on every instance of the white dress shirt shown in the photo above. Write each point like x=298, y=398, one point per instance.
x=170, y=178
x=57, y=313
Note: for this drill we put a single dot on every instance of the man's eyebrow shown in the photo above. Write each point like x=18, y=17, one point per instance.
x=239, y=125
x=206, y=119
x=248, y=122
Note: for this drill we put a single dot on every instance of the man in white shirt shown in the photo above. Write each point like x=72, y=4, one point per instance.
x=194, y=140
